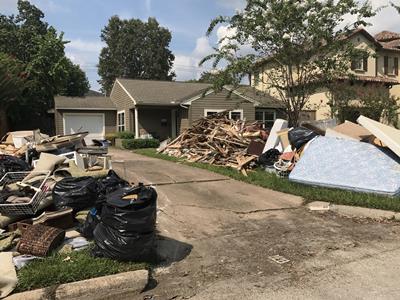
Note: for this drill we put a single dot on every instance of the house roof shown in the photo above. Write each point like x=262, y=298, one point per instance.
x=263, y=99
x=386, y=36
x=85, y=103
x=153, y=92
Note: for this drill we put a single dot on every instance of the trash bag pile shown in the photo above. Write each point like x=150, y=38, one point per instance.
x=53, y=189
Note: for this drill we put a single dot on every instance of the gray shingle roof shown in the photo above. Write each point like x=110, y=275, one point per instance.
x=154, y=92
x=89, y=102
x=265, y=99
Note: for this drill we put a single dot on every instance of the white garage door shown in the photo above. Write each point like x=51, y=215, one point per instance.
x=93, y=123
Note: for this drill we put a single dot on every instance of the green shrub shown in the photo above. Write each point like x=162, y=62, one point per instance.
x=140, y=143
x=125, y=135
x=111, y=137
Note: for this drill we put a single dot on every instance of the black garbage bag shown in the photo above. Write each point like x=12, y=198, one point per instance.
x=92, y=220
x=77, y=193
x=127, y=226
x=110, y=183
x=138, y=215
x=10, y=163
x=113, y=244
x=300, y=136
x=268, y=158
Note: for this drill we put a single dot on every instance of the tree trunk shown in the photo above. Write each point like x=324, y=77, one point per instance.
x=4, y=127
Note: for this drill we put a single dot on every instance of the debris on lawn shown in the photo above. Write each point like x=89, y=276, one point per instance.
x=337, y=156
x=218, y=140
x=49, y=183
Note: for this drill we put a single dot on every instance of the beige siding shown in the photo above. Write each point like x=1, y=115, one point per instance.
x=110, y=119
x=123, y=102
x=361, y=42
x=220, y=101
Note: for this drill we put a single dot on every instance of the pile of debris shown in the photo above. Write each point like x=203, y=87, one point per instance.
x=62, y=196
x=363, y=157
x=217, y=140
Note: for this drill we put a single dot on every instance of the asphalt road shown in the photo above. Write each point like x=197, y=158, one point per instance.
x=217, y=237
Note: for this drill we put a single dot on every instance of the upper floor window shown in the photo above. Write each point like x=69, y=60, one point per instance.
x=391, y=65
x=360, y=64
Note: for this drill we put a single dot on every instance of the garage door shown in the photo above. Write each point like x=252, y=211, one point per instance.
x=93, y=123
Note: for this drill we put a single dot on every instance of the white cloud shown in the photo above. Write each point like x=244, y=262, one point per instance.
x=85, y=46
x=86, y=55
x=187, y=66
x=232, y=4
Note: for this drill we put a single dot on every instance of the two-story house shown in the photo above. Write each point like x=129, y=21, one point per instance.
x=382, y=65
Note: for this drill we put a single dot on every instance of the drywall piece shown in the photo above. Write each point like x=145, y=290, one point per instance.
x=390, y=136
x=273, y=140
x=350, y=165
x=350, y=131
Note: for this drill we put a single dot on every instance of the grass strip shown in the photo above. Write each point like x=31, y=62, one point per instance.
x=271, y=181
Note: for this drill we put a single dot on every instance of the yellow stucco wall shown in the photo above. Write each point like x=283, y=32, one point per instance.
x=319, y=101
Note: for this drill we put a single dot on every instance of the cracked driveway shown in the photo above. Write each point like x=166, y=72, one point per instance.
x=217, y=236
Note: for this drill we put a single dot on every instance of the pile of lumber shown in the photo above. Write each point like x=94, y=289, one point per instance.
x=216, y=140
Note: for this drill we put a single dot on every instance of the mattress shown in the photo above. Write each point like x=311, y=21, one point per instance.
x=350, y=165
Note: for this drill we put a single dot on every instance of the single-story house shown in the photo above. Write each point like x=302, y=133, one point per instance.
x=160, y=109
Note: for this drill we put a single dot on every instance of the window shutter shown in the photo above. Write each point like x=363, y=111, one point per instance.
x=353, y=64
x=365, y=63
x=396, y=66
x=385, y=65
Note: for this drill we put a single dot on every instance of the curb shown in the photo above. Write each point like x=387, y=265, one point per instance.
x=131, y=283
x=354, y=211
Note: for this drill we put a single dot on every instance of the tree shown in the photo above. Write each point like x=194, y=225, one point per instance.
x=348, y=100
x=212, y=78
x=76, y=83
x=12, y=82
x=134, y=49
x=302, y=42
x=40, y=51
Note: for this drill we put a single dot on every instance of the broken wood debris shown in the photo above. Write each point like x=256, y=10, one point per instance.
x=216, y=140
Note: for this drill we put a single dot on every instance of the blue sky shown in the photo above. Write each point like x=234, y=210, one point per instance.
x=82, y=20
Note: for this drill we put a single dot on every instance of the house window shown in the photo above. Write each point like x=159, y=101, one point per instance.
x=360, y=64
x=266, y=117
x=391, y=65
x=121, y=121
x=234, y=114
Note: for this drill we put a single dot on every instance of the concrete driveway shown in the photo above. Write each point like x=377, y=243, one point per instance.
x=217, y=236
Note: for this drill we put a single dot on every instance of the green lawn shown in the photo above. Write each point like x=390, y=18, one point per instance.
x=261, y=178
x=63, y=268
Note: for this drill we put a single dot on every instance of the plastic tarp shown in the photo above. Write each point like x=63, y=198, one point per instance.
x=351, y=165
